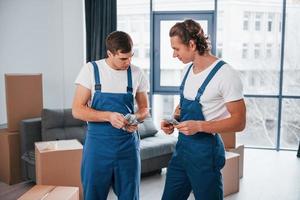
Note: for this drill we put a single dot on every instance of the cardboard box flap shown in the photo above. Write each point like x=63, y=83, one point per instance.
x=37, y=192
x=230, y=155
x=49, y=192
x=60, y=145
x=63, y=193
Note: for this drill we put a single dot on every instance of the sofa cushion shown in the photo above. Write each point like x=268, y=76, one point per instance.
x=29, y=156
x=147, y=128
x=59, y=124
x=158, y=145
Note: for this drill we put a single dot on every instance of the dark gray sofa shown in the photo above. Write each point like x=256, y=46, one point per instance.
x=156, y=148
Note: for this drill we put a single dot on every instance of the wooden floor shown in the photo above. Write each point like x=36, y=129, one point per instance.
x=268, y=175
x=12, y=192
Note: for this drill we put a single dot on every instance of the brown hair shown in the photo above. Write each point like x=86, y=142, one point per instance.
x=191, y=30
x=118, y=40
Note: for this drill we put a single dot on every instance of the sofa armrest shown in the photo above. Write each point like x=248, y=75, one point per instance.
x=30, y=132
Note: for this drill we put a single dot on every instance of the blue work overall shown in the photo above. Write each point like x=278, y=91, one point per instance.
x=111, y=156
x=197, y=159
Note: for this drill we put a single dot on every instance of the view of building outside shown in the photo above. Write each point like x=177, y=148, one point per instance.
x=251, y=43
x=249, y=39
x=290, y=123
x=171, y=69
x=134, y=18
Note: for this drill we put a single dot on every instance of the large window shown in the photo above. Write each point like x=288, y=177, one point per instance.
x=291, y=73
x=271, y=112
x=168, y=70
x=290, y=126
x=133, y=17
x=251, y=41
x=290, y=123
x=180, y=5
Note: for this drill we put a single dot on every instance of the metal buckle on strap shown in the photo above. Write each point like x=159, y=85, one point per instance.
x=129, y=89
x=97, y=86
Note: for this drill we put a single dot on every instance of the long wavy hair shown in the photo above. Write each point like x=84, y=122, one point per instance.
x=191, y=30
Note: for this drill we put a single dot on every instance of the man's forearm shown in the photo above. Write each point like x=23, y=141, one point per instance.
x=142, y=113
x=222, y=126
x=86, y=113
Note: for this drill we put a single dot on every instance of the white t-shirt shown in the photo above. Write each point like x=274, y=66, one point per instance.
x=225, y=86
x=112, y=81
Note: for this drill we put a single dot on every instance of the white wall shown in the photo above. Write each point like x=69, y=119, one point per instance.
x=45, y=37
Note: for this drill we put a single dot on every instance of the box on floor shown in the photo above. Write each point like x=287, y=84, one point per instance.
x=230, y=172
x=58, y=163
x=239, y=150
x=48, y=192
x=10, y=167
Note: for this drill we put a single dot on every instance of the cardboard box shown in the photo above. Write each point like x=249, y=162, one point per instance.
x=239, y=150
x=47, y=192
x=10, y=158
x=58, y=163
x=24, y=98
x=230, y=172
x=3, y=130
x=229, y=139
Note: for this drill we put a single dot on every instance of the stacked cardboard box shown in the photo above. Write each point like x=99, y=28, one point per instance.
x=239, y=150
x=229, y=140
x=10, y=167
x=230, y=174
x=58, y=163
x=48, y=192
x=24, y=99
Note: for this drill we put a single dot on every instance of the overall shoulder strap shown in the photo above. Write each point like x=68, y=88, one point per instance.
x=129, y=80
x=97, y=77
x=208, y=79
x=184, y=80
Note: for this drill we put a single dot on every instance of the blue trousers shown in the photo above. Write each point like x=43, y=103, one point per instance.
x=196, y=166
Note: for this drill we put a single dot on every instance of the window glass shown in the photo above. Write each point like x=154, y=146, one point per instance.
x=291, y=68
x=245, y=51
x=269, y=51
x=258, y=18
x=247, y=42
x=179, y=5
x=256, y=51
x=220, y=50
x=270, y=21
x=133, y=17
x=246, y=21
x=171, y=68
x=290, y=124
x=164, y=106
x=261, y=126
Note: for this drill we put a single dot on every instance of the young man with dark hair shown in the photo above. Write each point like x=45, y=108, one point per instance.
x=105, y=94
